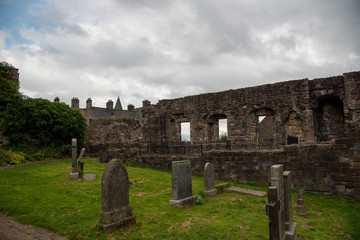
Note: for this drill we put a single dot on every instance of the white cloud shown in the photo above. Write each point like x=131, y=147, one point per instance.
x=165, y=49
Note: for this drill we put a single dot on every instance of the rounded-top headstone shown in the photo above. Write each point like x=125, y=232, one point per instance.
x=116, y=211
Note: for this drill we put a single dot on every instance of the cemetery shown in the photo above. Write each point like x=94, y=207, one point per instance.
x=287, y=170
x=42, y=194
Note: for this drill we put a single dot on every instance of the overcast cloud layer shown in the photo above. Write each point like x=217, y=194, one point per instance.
x=139, y=49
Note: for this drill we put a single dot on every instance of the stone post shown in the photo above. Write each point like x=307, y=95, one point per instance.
x=277, y=181
x=74, y=175
x=290, y=226
x=300, y=205
x=209, y=177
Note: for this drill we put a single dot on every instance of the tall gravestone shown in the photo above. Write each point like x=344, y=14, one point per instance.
x=277, y=181
x=272, y=210
x=115, y=212
x=209, y=178
x=181, y=184
x=290, y=226
x=74, y=175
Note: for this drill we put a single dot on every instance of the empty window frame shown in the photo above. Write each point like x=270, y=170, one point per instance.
x=185, y=131
x=223, y=132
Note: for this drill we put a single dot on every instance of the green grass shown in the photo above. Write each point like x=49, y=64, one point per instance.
x=42, y=195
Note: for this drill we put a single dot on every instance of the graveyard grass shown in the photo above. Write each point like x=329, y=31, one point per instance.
x=42, y=195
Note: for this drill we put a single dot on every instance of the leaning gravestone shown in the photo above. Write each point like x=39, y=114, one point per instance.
x=104, y=156
x=74, y=175
x=209, y=177
x=181, y=184
x=80, y=164
x=277, y=181
x=115, y=212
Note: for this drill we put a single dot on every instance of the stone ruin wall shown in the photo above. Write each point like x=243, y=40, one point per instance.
x=313, y=111
x=324, y=114
x=327, y=168
x=120, y=137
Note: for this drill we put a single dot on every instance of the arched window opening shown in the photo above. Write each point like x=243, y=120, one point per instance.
x=217, y=128
x=329, y=118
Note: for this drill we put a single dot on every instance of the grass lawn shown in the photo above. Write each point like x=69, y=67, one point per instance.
x=42, y=195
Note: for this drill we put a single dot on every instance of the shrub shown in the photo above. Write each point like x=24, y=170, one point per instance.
x=198, y=199
x=10, y=157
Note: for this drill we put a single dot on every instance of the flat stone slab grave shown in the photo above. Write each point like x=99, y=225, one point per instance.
x=245, y=191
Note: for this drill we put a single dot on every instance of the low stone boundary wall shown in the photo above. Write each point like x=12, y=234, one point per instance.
x=327, y=168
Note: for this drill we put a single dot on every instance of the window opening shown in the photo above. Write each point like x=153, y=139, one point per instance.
x=223, y=132
x=185, y=131
x=260, y=118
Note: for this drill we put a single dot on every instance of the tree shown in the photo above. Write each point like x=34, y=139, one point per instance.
x=223, y=137
x=8, y=89
x=45, y=121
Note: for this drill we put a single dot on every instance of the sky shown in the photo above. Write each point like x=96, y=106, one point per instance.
x=160, y=49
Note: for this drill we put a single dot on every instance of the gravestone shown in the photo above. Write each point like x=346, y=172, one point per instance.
x=209, y=178
x=104, y=156
x=290, y=226
x=181, y=184
x=272, y=211
x=74, y=175
x=277, y=181
x=115, y=212
x=80, y=164
x=300, y=204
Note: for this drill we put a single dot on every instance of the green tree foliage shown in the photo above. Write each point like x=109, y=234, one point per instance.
x=8, y=89
x=223, y=137
x=45, y=121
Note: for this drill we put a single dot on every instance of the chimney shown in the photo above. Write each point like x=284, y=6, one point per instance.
x=131, y=107
x=110, y=105
x=88, y=103
x=146, y=103
x=57, y=100
x=75, y=103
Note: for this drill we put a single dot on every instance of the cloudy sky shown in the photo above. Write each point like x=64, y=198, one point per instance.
x=156, y=49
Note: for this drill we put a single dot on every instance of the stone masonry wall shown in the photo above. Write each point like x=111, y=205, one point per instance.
x=117, y=136
x=327, y=168
x=314, y=111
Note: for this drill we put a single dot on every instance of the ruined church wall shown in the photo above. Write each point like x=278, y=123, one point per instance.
x=301, y=108
x=241, y=108
x=327, y=168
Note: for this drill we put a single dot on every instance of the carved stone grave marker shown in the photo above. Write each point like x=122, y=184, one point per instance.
x=290, y=226
x=209, y=178
x=103, y=156
x=300, y=205
x=80, y=164
x=181, y=184
x=272, y=210
x=115, y=212
x=74, y=175
x=277, y=181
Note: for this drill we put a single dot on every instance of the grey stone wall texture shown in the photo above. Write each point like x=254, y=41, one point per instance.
x=322, y=115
